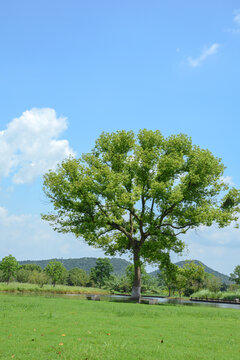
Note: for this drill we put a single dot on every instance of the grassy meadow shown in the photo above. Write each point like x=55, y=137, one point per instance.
x=16, y=287
x=42, y=328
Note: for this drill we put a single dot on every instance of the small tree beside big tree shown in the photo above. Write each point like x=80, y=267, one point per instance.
x=139, y=194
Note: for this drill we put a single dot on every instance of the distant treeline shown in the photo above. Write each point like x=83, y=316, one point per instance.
x=119, y=266
x=184, y=278
x=85, y=263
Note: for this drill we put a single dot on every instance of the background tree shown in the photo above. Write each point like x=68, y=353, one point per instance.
x=195, y=275
x=138, y=194
x=120, y=284
x=235, y=276
x=22, y=275
x=77, y=277
x=31, y=267
x=56, y=272
x=167, y=276
x=101, y=272
x=25, y=272
x=181, y=281
x=212, y=283
x=37, y=277
x=9, y=267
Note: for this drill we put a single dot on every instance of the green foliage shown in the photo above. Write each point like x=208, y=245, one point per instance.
x=226, y=295
x=181, y=281
x=56, y=272
x=235, y=276
x=230, y=295
x=1, y=276
x=118, y=284
x=188, y=279
x=78, y=277
x=9, y=267
x=168, y=276
x=139, y=194
x=31, y=267
x=206, y=294
x=223, y=278
x=194, y=275
x=234, y=287
x=23, y=275
x=101, y=272
x=212, y=283
x=39, y=278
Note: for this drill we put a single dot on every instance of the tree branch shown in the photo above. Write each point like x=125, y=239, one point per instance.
x=152, y=206
x=112, y=223
x=130, y=210
x=104, y=232
x=175, y=227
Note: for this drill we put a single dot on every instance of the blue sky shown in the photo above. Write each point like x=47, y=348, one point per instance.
x=72, y=69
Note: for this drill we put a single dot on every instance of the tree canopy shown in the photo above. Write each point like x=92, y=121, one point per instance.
x=139, y=194
x=9, y=267
x=56, y=271
x=235, y=276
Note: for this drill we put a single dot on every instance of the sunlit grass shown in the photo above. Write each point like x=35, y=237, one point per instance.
x=58, y=289
x=44, y=328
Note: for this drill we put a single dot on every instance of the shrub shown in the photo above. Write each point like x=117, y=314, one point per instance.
x=23, y=276
x=77, y=277
x=39, y=278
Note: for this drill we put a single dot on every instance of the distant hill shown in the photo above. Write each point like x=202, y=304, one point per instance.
x=85, y=263
x=224, y=278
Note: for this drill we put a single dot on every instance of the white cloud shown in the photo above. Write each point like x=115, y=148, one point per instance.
x=236, y=17
x=227, y=180
x=236, y=22
x=204, y=55
x=27, y=237
x=216, y=248
x=30, y=146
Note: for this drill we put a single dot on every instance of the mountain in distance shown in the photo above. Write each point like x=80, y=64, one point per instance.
x=224, y=278
x=85, y=263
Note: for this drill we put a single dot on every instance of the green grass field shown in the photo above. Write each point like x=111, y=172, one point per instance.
x=42, y=328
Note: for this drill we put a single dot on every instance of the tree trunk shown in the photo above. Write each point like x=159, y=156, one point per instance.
x=8, y=279
x=136, y=289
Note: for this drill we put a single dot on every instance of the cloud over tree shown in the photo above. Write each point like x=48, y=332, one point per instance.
x=30, y=145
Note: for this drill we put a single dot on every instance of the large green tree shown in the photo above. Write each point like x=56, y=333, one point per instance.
x=139, y=194
x=9, y=267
